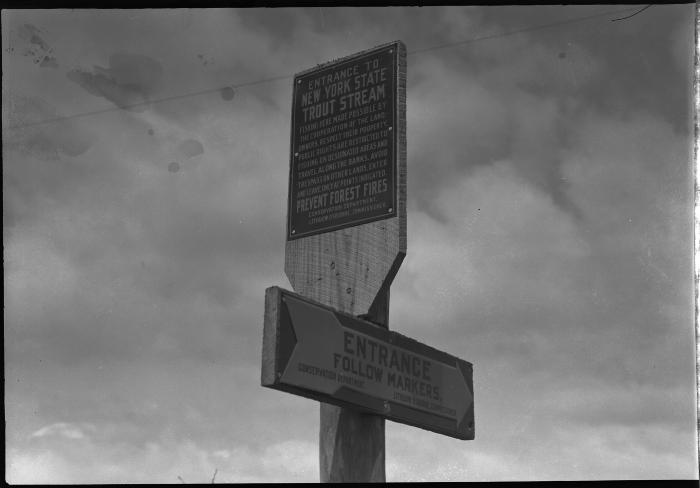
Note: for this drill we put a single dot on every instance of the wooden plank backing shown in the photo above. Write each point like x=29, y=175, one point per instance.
x=351, y=270
x=347, y=268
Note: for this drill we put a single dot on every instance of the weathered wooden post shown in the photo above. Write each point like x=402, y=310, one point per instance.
x=351, y=265
x=346, y=238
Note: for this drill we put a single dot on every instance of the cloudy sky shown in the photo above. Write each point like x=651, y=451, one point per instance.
x=549, y=239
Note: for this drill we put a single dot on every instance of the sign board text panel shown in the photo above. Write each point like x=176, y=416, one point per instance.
x=343, y=144
x=319, y=353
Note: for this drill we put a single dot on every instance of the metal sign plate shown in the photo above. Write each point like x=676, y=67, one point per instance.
x=343, y=169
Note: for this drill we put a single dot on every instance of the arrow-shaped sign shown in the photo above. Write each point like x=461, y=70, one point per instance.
x=334, y=357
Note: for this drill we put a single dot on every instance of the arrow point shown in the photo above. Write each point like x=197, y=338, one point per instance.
x=465, y=412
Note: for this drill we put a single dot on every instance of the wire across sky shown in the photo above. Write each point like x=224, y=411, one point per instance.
x=289, y=76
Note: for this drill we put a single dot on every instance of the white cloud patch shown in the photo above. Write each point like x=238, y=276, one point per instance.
x=163, y=461
x=63, y=429
x=490, y=248
x=515, y=449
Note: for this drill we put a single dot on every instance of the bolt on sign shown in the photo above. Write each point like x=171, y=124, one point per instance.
x=317, y=352
x=343, y=160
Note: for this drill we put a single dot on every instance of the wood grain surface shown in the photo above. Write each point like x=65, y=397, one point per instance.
x=351, y=270
x=347, y=268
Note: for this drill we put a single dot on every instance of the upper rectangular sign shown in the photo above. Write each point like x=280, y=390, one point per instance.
x=343, y=162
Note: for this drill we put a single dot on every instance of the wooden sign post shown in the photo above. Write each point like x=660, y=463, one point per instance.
x=346, y=239
x=346, y=226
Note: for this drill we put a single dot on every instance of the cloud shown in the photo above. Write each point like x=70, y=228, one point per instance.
x=78, y=322
x=569, y=317
x=42, y=161
x=564, y=277
x=66, y=139
x=162, y=462
x=537, y=444
x=546, y=230
x=589, y=404
x=91, y=453
x=519, y=110
x=63, y=429
x=491, y=249
x=129, y=82
x=629, y=178
x=140, y=220
x=440, y=140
